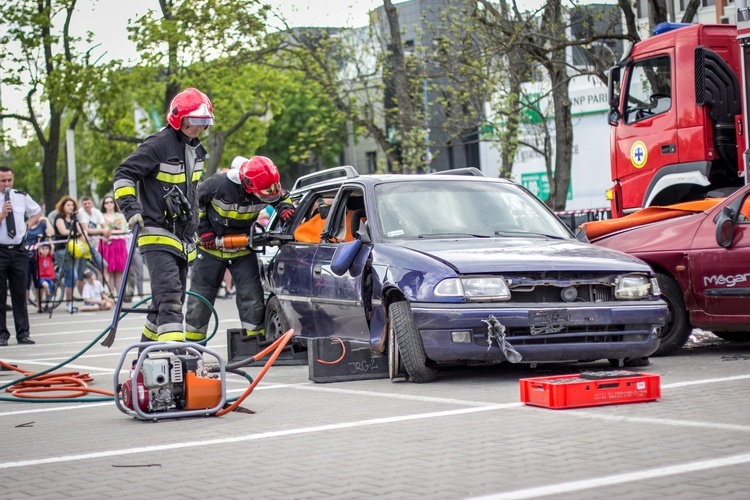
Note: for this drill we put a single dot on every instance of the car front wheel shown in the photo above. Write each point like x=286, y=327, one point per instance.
x=276, y=323
x=678, y=329
x=409, y=344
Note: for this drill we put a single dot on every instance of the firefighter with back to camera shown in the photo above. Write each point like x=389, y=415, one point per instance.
x=165, y=169
x=228, y=204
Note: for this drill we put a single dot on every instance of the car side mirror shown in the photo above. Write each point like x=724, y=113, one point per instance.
x=344, y=256
x=725, y=227
x=613, y=118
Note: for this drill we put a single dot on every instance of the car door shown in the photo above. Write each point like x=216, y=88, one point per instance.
x=721, y=276
x=646, y=139
x=337, y=301
x=290, y=275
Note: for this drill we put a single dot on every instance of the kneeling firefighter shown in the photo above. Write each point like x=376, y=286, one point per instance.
x=228, y=204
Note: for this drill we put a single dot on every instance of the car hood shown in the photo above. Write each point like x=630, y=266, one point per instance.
x=495, y=255
x=667, y=235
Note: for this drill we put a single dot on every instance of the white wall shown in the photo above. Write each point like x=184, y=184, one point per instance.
x=590, y=173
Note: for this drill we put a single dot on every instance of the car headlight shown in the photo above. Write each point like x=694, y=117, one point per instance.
x=488, y=288
x=632, y=287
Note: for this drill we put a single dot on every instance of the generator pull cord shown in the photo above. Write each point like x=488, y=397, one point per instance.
x=75, y=382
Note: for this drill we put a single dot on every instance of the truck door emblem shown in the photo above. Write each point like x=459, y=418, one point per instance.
x=638, y=154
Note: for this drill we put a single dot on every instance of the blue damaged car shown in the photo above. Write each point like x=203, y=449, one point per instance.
x=434, y=270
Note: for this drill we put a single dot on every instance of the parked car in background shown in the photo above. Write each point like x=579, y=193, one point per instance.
x=702, y=259
x=433, y=270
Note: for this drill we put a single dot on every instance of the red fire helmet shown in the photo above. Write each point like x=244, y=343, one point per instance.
x=259, y=176
x=192, y=104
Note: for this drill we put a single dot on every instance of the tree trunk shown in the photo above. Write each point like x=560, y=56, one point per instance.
x=560, y=183
x=51, y=148
x=215, y=144
x=405, y=110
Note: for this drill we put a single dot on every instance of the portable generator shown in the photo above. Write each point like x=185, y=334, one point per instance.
x=171, y=380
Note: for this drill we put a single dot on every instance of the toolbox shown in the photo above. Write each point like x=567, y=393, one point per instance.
x=590, y=389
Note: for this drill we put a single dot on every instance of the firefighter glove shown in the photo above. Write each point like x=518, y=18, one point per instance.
x=136, y=219
x=286, y=211
x=177, y=206
x=208, y=240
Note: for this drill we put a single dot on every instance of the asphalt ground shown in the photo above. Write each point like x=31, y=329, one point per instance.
x=466, y=435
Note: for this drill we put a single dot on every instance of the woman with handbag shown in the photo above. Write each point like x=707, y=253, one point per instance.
x=70, y=246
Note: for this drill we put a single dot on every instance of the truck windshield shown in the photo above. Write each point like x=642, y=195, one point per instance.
x=431, y=208
x=649, y=89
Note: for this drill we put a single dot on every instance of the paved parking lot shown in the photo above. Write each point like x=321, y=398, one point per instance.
x=467, y=435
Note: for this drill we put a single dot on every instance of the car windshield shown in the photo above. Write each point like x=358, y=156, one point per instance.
x=439, y=208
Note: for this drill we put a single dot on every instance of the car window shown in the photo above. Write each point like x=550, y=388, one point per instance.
x=650, y=89
x=427, y=208
x=349, y=205
x=315, y=206
x=744, y=217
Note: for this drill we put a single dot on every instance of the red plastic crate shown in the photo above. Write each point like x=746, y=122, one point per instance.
x=592, y=389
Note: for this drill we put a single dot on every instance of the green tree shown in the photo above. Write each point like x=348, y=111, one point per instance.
x=208, y=44
x=308, y=133
x=41, y=56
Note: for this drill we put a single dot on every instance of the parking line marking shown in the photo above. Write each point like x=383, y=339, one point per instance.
x=705, y=381
x=391, y=395
x=661, y=421
x=79, y=406
x=587, y=484
x=253, y=437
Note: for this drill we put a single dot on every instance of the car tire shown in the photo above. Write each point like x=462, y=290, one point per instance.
x=395, y=366
x=733, y=336
x=678, y=328
x=411, y=351
x=276, y=323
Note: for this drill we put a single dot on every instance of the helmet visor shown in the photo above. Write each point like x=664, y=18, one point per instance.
x=195, y=121
x=271, y=194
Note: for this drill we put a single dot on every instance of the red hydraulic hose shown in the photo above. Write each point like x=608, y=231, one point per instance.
x=277, y=346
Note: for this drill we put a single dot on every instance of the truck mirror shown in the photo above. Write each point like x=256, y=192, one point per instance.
x=613, y=87
x=613, y=118
x=725, y=227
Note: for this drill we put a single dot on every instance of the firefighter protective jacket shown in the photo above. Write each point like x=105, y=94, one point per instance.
x=224, y=207
x=157, y=168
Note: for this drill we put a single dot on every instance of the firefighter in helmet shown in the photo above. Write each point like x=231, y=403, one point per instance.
x=228, y=204
x=156, y=189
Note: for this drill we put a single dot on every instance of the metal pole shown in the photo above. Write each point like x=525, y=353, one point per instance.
x=427, y=153
x=71, y=149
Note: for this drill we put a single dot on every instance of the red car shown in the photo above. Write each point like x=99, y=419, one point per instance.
x=702, y=261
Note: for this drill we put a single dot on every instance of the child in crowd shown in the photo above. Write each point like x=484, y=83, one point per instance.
x=94, y=296
x=46, y=268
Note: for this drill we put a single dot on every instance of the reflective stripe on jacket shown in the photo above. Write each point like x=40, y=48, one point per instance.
x=141, y=181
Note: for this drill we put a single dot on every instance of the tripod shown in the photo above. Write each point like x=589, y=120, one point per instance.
x=71, y=258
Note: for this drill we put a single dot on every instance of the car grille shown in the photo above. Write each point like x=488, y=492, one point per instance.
x=551, y=294
x=572, y=335
x=547, y=287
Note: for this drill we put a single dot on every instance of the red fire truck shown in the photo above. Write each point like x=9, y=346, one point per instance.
x=678, y=116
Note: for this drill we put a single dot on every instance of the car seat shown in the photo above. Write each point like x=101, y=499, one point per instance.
x=356, y=217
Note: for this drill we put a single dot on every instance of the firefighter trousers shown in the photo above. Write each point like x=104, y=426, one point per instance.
x=168, y=274
x=205, y=280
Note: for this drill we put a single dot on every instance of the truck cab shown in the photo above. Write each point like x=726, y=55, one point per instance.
x=677, y=126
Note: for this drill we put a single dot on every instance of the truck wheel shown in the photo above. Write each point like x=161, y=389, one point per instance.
x=276, y=323
x=678, y=328
x=733, y=336
x=409, y=343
